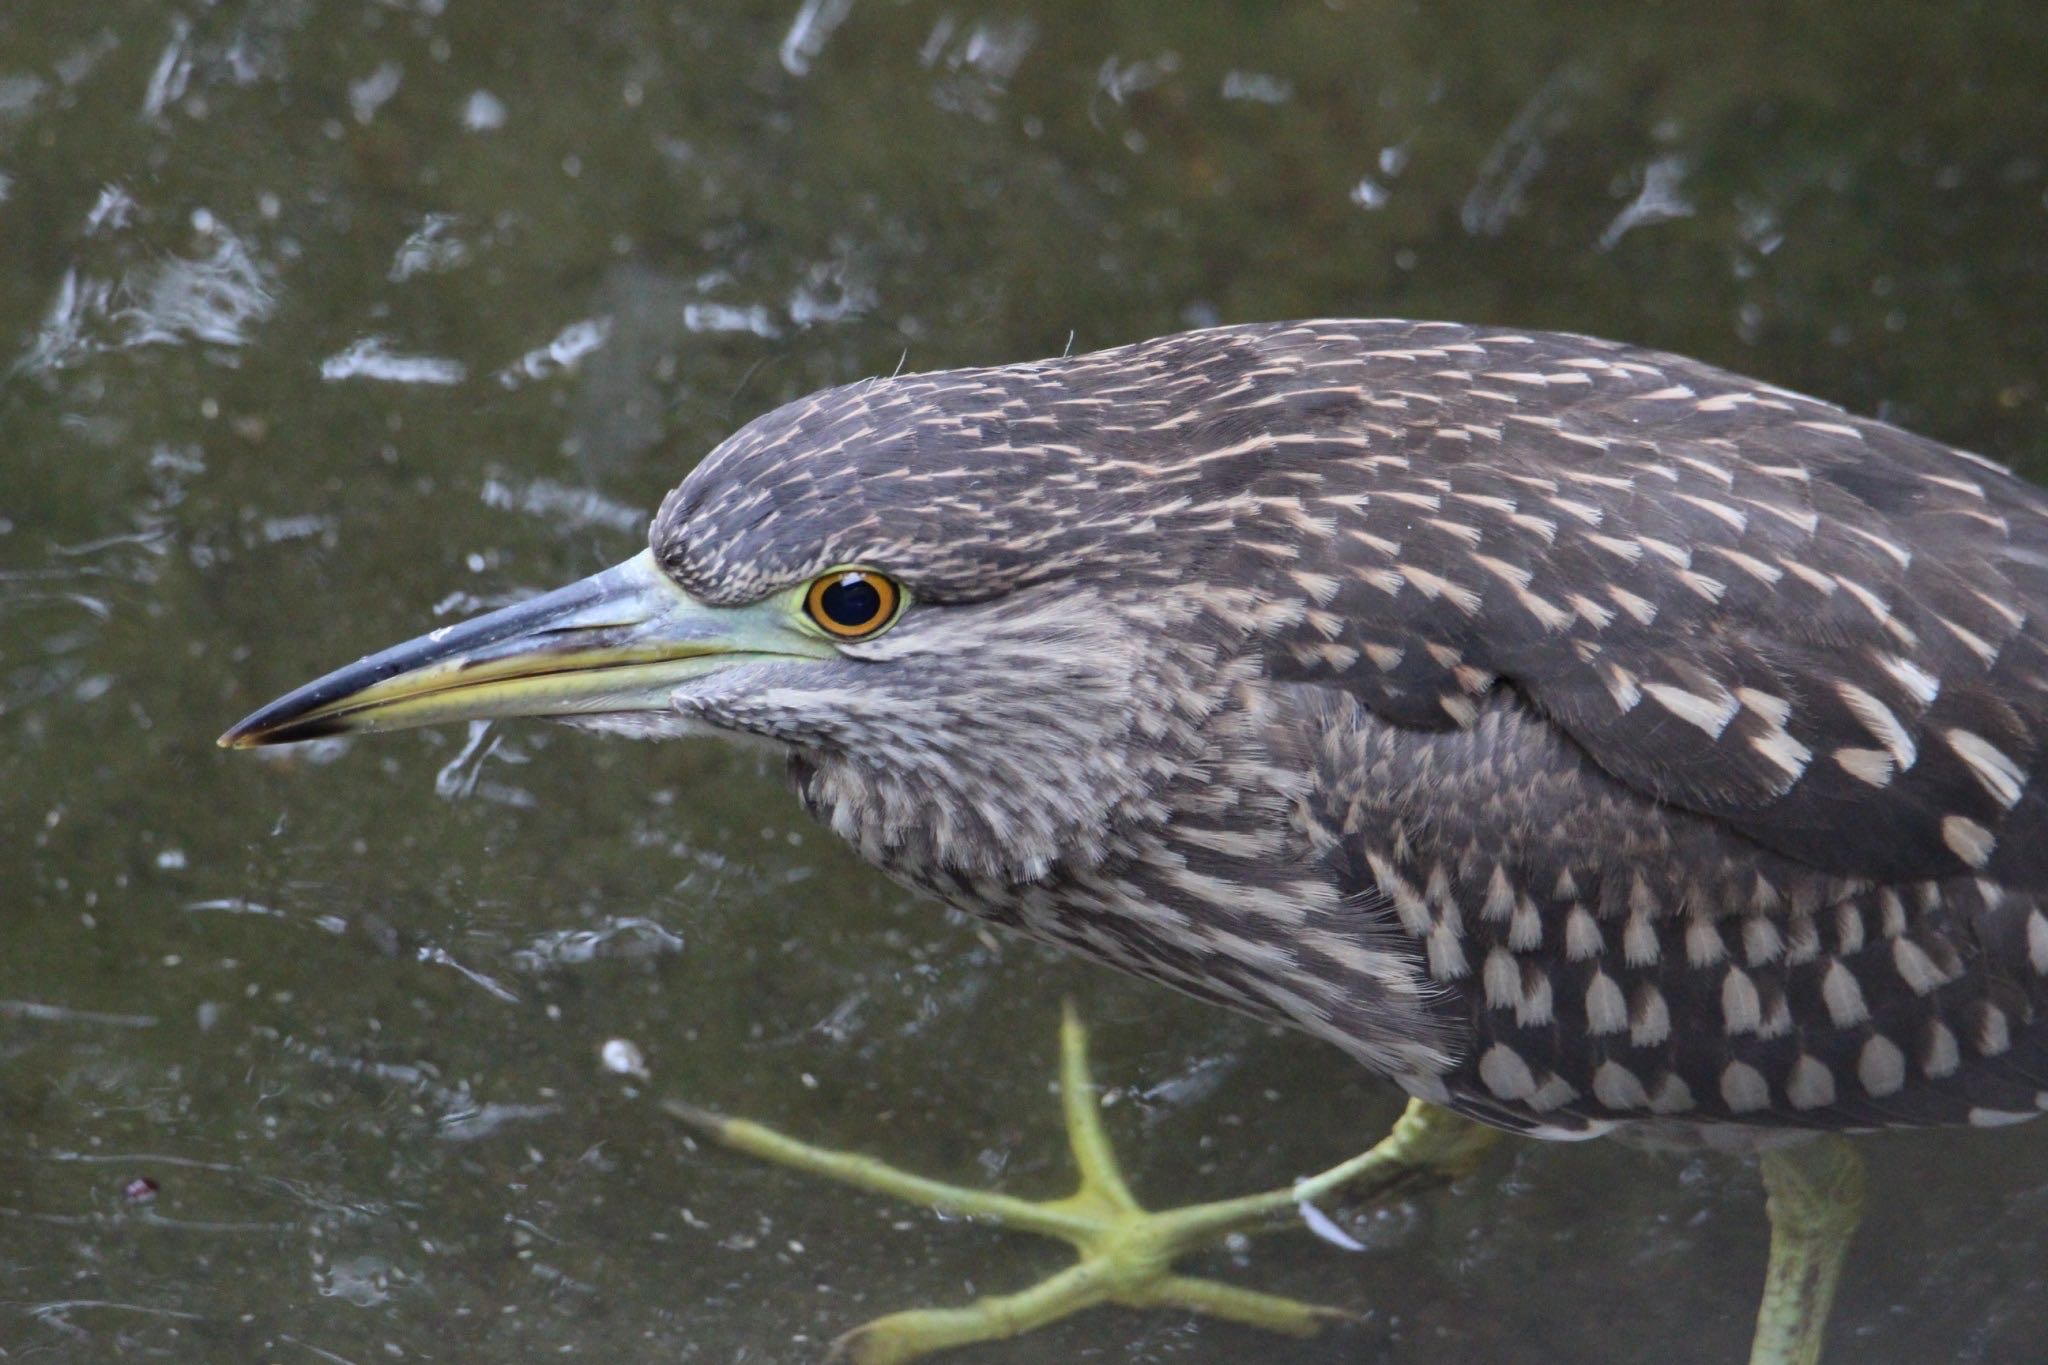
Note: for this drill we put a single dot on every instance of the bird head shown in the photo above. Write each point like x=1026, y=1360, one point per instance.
x=963, y=603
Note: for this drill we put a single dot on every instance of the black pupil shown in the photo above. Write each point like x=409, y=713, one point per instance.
x=852, y=602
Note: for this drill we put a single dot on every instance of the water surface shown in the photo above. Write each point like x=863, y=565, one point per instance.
x=321, y=323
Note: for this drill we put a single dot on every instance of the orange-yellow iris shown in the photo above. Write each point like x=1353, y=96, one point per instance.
x=850, y=604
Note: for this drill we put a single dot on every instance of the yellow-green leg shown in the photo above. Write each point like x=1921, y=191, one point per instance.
x=1816, y=1198
x=1125, y=1252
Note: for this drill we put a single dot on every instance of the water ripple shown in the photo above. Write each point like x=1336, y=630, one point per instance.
x=371, y=357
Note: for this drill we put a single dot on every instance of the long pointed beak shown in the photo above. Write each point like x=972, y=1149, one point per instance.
x=620, y=640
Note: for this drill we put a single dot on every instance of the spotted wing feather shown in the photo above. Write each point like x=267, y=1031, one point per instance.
x=1818, y=629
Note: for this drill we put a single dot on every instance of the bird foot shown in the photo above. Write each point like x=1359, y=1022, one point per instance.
x=1125, y=1252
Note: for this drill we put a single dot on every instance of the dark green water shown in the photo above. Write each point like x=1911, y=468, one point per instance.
x=344, y=1005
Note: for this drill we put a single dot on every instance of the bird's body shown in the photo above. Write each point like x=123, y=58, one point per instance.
x=1575, y=734
x=1582, y=737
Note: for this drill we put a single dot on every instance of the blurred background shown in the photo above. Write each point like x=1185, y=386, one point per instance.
x=322, y=321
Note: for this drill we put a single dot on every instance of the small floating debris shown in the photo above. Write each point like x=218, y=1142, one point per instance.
x=434, y=248
x=623, y=1057
x=483, y=112
x=372, y=92
x=1369, y=194
x=1257, y=87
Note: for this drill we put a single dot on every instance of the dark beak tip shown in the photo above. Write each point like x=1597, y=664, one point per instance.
x=253, y=731
x=243, y=735
x=263, y=729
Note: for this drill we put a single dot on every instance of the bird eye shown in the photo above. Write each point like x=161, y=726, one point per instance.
x=852, y=603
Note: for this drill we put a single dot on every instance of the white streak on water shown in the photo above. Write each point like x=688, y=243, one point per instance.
x=809, y=32
x=172, y=74
x=372, y=358
x=726, y=317
x=561, y=354
x=431, y=249
x=372, y=92
x=40, y=1013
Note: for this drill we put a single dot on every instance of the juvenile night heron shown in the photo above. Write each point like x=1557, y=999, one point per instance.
x=1583, y=738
